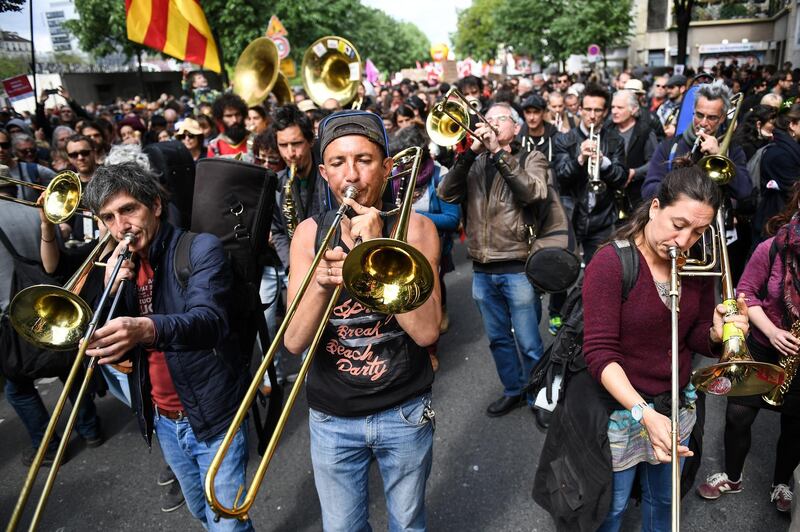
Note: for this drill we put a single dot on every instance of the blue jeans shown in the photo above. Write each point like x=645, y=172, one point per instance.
x=400, y=439
x=190, y=459
x=28, y=405
x=656, y=483
x=117, y=383
x=273, y=280
x=508, y=300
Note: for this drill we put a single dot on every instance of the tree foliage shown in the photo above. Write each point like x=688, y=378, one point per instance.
x=547, y=30
x=390, y=44
x=11, y=66
x=11, y=5
x=476, y=33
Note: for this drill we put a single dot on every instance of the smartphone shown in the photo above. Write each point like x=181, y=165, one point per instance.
x=50, y=92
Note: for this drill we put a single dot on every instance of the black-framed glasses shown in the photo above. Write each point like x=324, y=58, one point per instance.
x=80, y=153
x=180, y=136
x=5, y=145
x=711, y=118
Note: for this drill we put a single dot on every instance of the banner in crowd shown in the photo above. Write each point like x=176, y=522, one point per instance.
x=175, y=27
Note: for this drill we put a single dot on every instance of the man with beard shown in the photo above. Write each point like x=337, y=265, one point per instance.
x=229, y=113
x=83, y=157
x=676, y=87
x=21, y=170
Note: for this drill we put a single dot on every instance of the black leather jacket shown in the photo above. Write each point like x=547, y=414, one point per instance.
x=573, y=179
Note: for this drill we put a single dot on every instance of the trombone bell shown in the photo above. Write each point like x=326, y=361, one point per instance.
x=388, y=275
x=737, y=374
x=718, y=168
x=441, y=128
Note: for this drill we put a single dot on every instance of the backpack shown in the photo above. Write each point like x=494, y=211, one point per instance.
x=565, y=355
x=233, y=200
x=754, y=168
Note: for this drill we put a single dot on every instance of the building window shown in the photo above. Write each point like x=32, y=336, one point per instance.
x=657, y=14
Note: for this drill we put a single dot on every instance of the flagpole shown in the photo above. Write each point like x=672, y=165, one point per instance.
x=222, y=69
x=33, y=54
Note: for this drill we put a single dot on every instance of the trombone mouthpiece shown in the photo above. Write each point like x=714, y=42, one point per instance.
x=130, y=237
x=350, y=192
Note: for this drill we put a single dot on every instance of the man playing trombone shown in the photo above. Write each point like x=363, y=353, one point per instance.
x=187, y=379
x=369, y=384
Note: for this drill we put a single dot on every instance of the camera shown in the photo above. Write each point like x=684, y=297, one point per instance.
x=50, y=92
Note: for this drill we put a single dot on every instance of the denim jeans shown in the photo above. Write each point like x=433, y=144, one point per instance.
x=508, y=300
x=656, y=483
x=117, y=383
x=400, y=439
x=273, y=280
x=25, y=399
x=190, y=459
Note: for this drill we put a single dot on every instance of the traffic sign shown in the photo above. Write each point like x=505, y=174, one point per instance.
x=276, y=27
x=282, y=43
x=593, y=50
x=288, y=68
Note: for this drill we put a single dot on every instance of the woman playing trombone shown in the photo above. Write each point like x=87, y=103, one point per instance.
x=627, y=345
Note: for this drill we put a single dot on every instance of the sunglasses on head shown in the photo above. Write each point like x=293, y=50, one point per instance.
x=81, y=153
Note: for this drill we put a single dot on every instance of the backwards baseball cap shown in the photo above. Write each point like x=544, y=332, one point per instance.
x=346, y=123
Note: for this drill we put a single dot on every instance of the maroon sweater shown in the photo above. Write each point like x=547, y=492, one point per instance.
x=636, y=333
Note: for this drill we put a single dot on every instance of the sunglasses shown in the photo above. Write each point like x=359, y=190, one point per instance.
x=81, y=153
x=5, y=145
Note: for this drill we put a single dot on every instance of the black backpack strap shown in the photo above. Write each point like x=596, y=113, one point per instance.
x=182, y=263
x=629, y=257
x=8, y=245
x=773, y=252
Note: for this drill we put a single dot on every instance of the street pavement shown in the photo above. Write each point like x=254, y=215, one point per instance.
x=482, y=474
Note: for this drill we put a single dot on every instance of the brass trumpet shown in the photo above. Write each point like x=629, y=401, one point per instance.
x=596, y=184
x=394, y=285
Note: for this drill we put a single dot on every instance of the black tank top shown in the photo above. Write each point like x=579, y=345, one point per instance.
x=365, y=361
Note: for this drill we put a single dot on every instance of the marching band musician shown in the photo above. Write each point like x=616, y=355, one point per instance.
x=369, y=385
x=635, y=368
x=188, y=377
x=770, y=280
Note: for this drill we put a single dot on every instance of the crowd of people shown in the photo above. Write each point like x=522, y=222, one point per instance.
x=615, y=156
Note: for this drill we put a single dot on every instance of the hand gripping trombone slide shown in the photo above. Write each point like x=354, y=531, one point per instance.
x=387, y=275
x=51, y=426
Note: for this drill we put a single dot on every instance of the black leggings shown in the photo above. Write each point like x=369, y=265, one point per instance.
x=738, y=420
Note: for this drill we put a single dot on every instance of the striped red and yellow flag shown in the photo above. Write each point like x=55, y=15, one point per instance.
x=174, y=27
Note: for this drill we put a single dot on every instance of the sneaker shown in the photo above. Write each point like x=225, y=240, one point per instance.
x=716, y=485
x=782, y=497
x=47, y=461
x=555, y=325
x=172, y=498
x=165, y=476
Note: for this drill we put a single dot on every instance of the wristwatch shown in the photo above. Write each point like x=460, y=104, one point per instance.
x=637, y=411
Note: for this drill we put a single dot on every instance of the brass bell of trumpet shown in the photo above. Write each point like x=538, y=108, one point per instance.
x=331, y=68
x=256, y=71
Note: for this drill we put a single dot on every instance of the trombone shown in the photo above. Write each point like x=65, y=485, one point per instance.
x=736, y=373
x=61, y=197
x=593, y=163
x=56, y=318
x=391, y=280
x=448, y=122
